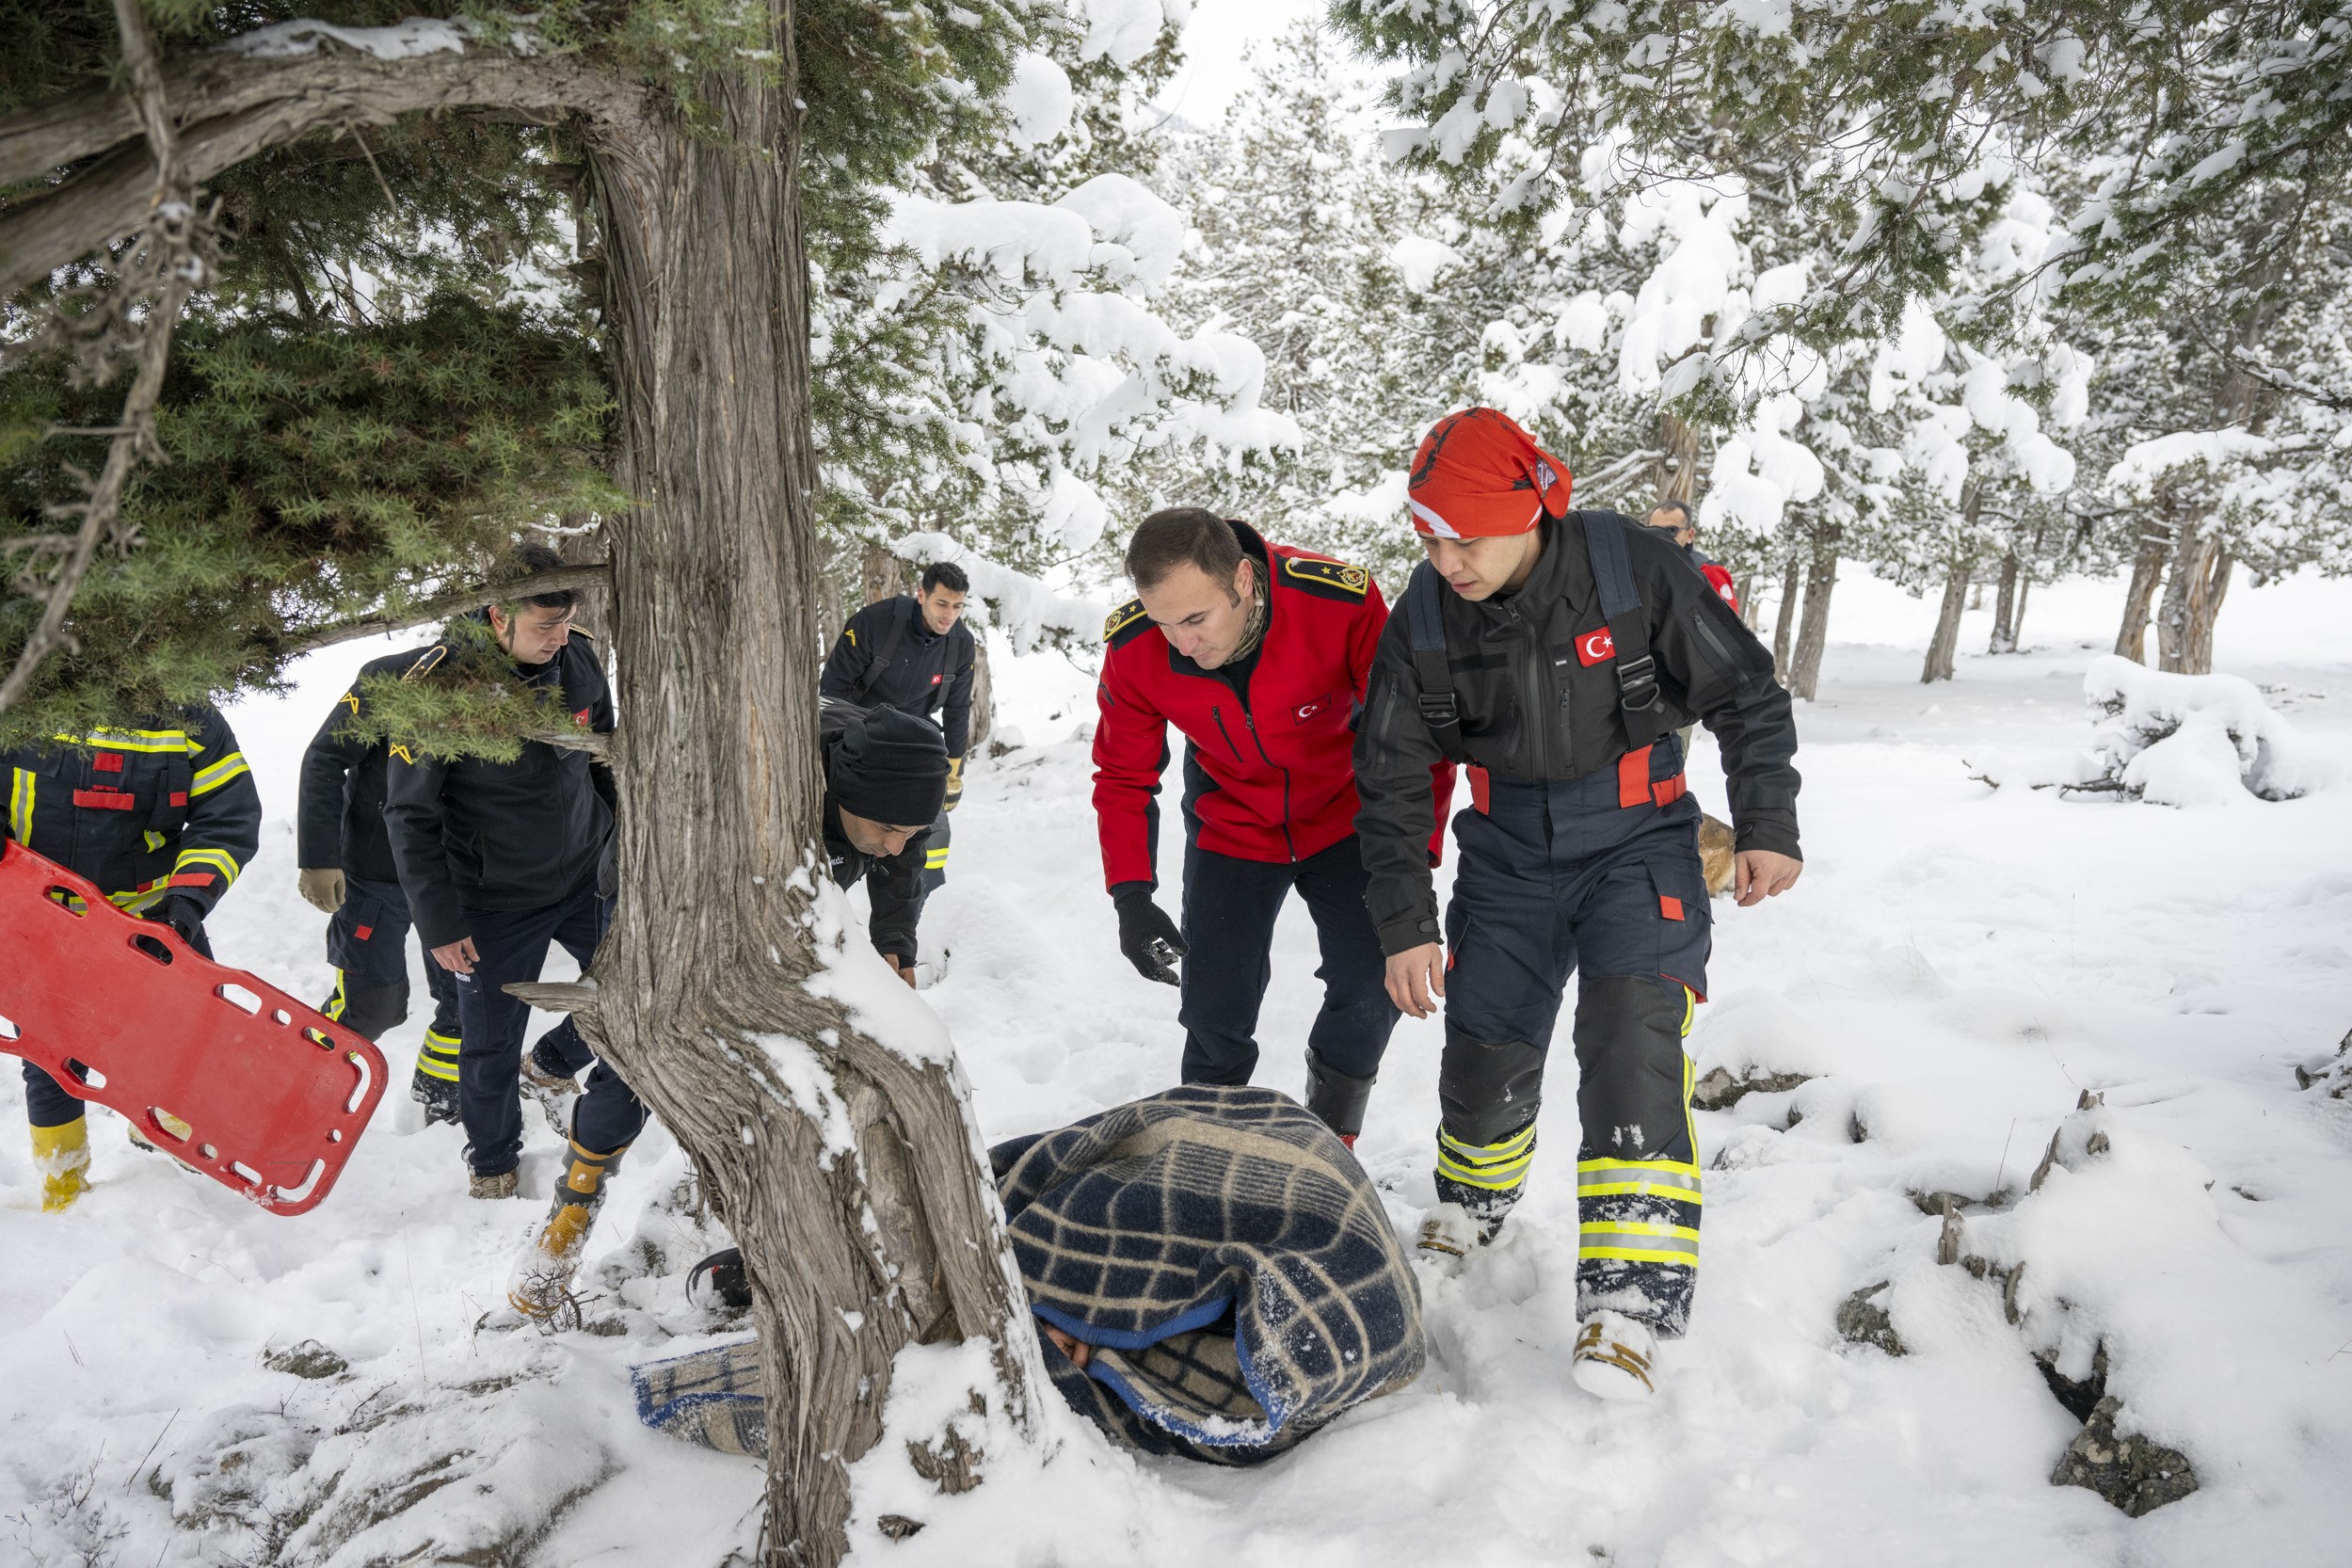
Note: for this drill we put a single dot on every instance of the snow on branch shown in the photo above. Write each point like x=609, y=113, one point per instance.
x=1028, y=611
x=401, y=41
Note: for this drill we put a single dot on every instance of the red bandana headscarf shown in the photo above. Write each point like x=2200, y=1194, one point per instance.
x=1478, y=474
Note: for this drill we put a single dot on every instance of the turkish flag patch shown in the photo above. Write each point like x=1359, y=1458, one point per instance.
x=1595, y=647
x=582, y=717
x=936, y=679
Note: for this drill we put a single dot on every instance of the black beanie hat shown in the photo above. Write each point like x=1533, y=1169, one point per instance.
x=891, y=768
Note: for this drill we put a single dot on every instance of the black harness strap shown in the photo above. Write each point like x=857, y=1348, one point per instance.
x=903, y=608
x=1628, y=630
x=1425, y=633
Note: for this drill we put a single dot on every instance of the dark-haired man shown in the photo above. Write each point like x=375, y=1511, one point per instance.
x=348, y=872
x=499, y=859
x=885, y=775
x=914, y=652
x=1674, y=518
x=1555, y=652
x=1258, y=654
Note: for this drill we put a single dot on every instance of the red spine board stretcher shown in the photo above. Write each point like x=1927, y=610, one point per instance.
x=273, y=1094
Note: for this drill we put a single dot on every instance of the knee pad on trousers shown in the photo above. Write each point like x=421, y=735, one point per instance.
x=1485, y=1092
x=1634, y=1101
x=373, y=1010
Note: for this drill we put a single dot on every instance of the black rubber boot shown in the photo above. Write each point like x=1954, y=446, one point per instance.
x=1337, y=1098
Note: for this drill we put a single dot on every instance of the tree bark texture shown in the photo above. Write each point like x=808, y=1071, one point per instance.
x=1944, y=647
x=1812, y=633
x=2139, y=599
x=1784, y=625
x=2193, y=591
x=1675, y=474
x=983, y=695
x=715, y=586
x=868, y=1221
x=881, y=575
x=2005, y=606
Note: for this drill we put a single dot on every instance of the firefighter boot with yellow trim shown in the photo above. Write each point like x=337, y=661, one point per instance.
x=62, y=1155
x=1616, y=1358
x=541, y=1287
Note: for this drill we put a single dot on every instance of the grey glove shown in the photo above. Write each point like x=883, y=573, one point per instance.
x=322, y=887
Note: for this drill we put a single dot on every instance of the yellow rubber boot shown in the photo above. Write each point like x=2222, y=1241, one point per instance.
x=61, y=1154
x=541, y=1285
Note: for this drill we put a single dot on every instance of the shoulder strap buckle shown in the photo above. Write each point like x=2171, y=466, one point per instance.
x=1637, y=684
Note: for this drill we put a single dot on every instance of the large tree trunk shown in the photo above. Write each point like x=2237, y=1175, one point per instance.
x=2193, y=592
x=1784, y=625
x=1944, y=648
x=864, y=1219
x=1675, y=474
x=882, y=575
x=983, y=695
x=2139, y=599
x=1813, y=634
x=2005, y=605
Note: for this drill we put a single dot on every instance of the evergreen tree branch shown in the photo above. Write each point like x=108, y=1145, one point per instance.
x=446, y=605
x=239, y=109
x=165, y=254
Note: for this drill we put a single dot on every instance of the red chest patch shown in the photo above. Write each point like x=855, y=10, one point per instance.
x=1595, y=647
x=582, y=717
x=936, y=679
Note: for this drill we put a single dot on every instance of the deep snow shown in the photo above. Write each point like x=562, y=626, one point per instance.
x=1956, y=968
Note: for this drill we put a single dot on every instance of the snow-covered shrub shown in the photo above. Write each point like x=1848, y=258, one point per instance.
x=2193, y=740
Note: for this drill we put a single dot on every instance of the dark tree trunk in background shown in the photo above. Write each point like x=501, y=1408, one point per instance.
x=983, y=695
x=1784, y=625
x=2017, y=613
x=2005, y=606
x=881, y=575
x=1813, y=633
x=2193, y=591
x=700, y=1001
x=2139, y=599
x=1944, y=648
x=1675, y=474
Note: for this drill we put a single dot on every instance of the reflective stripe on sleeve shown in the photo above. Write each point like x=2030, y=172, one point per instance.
x=216, y=859
x=21, y=792
x=209, y=780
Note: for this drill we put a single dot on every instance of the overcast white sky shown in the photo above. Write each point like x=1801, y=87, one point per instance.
x=1213, y=41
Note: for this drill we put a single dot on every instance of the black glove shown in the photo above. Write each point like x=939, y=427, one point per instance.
x=1146, y=936
x=184, y=916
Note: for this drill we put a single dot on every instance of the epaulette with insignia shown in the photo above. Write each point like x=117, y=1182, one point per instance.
x=426, y=662
x=583, y=631
x=1124, y=623
x=1331, y=579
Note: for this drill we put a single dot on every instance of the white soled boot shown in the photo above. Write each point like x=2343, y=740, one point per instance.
x=1614, y=1357
x=1448, y=1233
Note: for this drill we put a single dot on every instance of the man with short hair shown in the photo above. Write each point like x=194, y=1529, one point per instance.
x=499, y=859
x=347, y=872
x=1257, y=654
x=915, y=654
x=162, y=818
x=1674, y=519
x=886, y=773
x=1554, y=653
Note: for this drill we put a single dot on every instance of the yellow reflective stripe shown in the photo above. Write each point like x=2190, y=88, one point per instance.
x=138, y=900
x=935, y=859
x=209, y=780
x=1689, y=1009
x=1495, y=1178
x=218, y=860
x=335, y=1003
x=1637, y=1241
x=1516, y=1143
x=21, y=806
x=134, y=740
x=434, y=1066
x=155, y=840
x=440, y=1044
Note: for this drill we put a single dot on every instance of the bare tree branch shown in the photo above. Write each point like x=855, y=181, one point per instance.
x=238, y=107
x=442, y=607
x=166, y=255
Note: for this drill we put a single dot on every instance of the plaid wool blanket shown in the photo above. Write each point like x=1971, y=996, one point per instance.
x=1227, y=1259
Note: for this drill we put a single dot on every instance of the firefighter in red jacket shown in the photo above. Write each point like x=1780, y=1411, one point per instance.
x=1258, y=654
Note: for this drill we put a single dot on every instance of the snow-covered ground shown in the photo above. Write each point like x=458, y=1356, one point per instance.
x=1957, y=967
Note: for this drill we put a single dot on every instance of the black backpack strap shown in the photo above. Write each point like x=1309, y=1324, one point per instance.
x=1628, y=629
x=1425, y=633
x=886, y=650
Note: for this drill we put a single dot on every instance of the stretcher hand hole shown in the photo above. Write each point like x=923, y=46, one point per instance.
x=360, y=1092
x=252, y=1177
x=153, y=948
x=208, y=1151
x=168, y=1125
x=66, y=900
x=86, y=1075
x=281, y=1017
x=240, y=995
x=295, y=1194
x=9, y=1029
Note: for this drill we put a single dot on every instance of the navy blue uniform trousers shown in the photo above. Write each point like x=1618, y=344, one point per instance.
x=511, y=946
x=1229, y=910
x=1560, y=878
